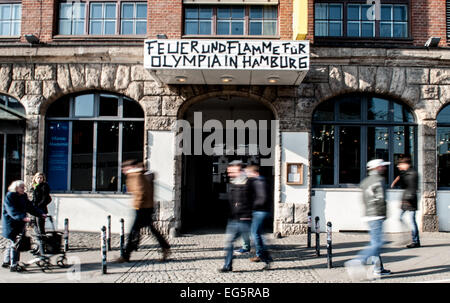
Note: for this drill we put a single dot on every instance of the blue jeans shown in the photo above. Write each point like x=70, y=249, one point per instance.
x=376, y=243
x=257, y=228
x=235, y=229
x=415, y=230
x=11, y=255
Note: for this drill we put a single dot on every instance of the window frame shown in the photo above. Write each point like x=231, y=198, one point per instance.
x=95, y=119
x=377, y=38
x=12, y=2
x=440, y=124
x=364, y=123
x=214, y=20
x=87, y=20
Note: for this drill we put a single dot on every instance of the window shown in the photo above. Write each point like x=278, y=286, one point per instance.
x=235, y=20
x=357, y=20
x=95, y=17
x=10, y=18
x=88, y=137
x=443, y=147
x=349, y=131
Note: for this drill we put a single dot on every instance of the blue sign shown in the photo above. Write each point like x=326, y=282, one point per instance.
x=58, y=155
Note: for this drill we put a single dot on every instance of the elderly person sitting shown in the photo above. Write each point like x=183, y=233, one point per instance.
x=15, y=209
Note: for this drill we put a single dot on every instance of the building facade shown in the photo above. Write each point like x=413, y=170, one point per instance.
x=77, y=101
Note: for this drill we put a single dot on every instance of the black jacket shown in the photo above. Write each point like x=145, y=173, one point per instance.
x=258, y=194
x=41, y=196
x=409, y=180
x=240, y=204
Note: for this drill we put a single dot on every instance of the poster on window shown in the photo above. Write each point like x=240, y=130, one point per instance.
x=57, y=155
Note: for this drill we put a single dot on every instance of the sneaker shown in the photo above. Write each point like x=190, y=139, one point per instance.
x=121, y=259
x=255, y=259
x=16, y=268
x=355, y=270
x=383, y=272
x=225, y=269
x=166, y=253
x=413, y=245
x=242, y=251
x=5, y=265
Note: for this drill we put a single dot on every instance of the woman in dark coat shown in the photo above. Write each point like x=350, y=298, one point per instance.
x=41, y=198
x=15, y=209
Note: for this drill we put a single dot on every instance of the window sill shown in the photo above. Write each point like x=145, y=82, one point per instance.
x=71, y=38
x=246, y=37
x=345, y=41
x=9, y=38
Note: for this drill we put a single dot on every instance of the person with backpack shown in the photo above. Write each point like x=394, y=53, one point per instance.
x=41, y=198
x=142, y=190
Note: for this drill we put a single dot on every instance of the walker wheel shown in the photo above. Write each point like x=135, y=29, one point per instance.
x=62, y=262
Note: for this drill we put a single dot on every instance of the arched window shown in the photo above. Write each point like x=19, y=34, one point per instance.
x=349, y=131
x=443, y=147
x=88, y=137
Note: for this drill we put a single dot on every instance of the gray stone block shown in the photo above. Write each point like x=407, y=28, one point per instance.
x=317, y=74
x=63, y=77
x=22, y=72
x=440, y=76
x=417, y=75
x=429, y=91
x=44, y=72
x=17, y=89
x=33, y=88
x=350, y=77
x=77, y=76
x=367, y=77
x=122, y=77
x=108, y=76
x=93, y=75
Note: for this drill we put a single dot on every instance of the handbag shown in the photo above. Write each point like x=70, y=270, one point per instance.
x=23, y=243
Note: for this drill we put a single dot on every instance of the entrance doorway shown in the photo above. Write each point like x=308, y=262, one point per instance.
x=205, y=203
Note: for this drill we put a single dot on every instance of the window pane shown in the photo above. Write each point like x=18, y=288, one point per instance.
x=96, y=10
x=377, y=143
x=367, y=29
x=270, y=12
x=205, y=28
x=323, y=155
x=141, y=11
x=141, y=27
x=443, y=147
x=353, y=29
x=255, y=28
x=320, y=28
x=108, y=105
x=5, y=28
x=237, y=28
x=237, y=12
x=205, y=13
x=133, y=146
x=79, y=10
x=223, y=28
x=377, y=109
x=82, y=148
x=110, y=11
x=320, y=11
x=270, y=28
x=403, y=143
x=444, y=115
x=191, y=13
x=402, y=114
x=386, y=12
x=65, y=11
x=353, y=12
x=126, y=28
x=107, y=156
x=132, y=109
x=385, y=29
x=223, y=13
x=110, y=27
x=84, y=106
x=400, y=30
x=57, y=154
x=5, y=11
x=400, y=13
x=256, y=12
x=95, y=28
x=324, y=112
x=59, y=109
x=335, y=12
x=191, y=28
x=335, y=29
x=367, y=14
x=15, y=31
x=17, y=11
x=127, y=10
x=349, y=109
x=78, y=28
x=350, y=155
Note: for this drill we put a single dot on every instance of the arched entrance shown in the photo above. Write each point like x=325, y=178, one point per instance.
x=204, y=200
x=12, y=129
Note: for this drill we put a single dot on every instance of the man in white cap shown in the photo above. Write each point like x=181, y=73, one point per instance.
x=375, y=213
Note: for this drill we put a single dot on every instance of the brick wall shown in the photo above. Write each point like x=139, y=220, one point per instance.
x=285, y=19
x=37, y=19
x=165, y=17
x=428, y=20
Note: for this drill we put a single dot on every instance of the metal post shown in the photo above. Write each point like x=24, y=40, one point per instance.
x=317, y=238
x=329, y=247
x=108, y=235
x=122, y=237
x=103, y=245
x=309, y=230
x=66, y=235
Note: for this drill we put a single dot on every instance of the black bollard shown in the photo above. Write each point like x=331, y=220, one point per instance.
x=308, y=244
x=317, y=238
x=122, y=237
x=329, y=247
x=103, y=244
x=66, y=235
x=108, y=235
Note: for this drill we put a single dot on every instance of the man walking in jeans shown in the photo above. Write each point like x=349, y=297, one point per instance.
x=375, y=213
x=257, y=187
x=142, y=190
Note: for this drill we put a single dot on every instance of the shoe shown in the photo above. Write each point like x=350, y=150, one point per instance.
x=383, y=272
x=413, y=245
x=255, y=259
x=121, y=259
x=16, y=268
x=166, y=253
x=225, y=269
x=267, y=266
x=242, y=251
x=5, y=265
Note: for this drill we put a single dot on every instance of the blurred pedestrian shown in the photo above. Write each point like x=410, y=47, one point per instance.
x=41, y=198
x=241, y=211
x=258, y=196
x=142, y=191
x=15, y=209
x=374, y=200
x=408, y=180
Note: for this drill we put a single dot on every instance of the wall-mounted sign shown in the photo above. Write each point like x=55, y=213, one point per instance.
x=57, y=153
x=294, y=173
x=227, y=54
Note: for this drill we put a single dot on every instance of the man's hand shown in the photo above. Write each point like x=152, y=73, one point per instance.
x=26, y=219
